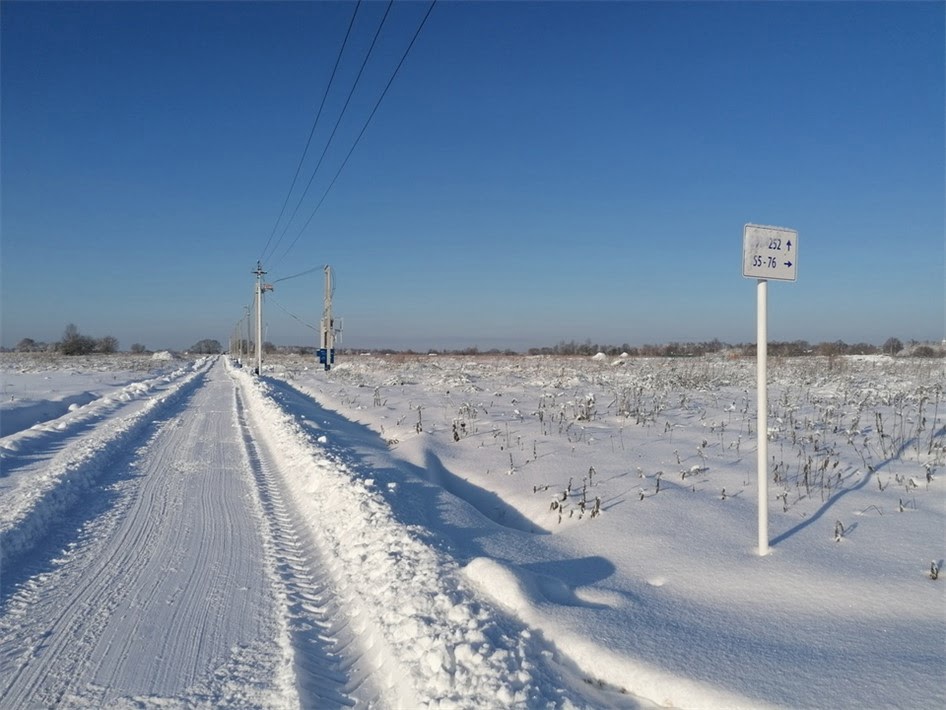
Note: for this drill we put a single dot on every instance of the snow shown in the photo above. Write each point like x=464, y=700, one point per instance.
x=38, y=388
x=163, y=355
x=31, y=503
x=664, y=593
x=473, y=532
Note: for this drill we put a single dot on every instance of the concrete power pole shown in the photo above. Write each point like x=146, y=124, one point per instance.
x=260, y=288
x=327, y=342
x=245, y=343
x=245, y=354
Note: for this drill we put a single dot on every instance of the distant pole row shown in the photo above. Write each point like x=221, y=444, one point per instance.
x=241, y=347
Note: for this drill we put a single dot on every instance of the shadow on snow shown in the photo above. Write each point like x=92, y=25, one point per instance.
x=828, y=504
x=417, y=494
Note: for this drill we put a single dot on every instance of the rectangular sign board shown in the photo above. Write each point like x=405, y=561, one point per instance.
x=769, y=253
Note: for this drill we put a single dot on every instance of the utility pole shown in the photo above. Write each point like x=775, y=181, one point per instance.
x=245, y=353
x=260, y=287
x=327, y=344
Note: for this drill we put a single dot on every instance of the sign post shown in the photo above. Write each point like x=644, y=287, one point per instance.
x=767, y=253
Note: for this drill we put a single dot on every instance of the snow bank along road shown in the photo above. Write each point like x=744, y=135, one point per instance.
x=188, y=542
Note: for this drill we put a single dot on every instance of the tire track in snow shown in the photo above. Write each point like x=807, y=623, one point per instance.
x=40, y=496
x=81, y=615
x=20, y=446
x=164, y=597
x=431, y=641
x=325, y=659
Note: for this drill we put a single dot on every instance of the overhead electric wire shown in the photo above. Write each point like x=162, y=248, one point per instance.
x=291, y=315
x=361, y=133
x=338, y=122
x=318, y=115
x=295, y=276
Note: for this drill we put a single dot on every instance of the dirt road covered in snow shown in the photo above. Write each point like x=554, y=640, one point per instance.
x=177, y=573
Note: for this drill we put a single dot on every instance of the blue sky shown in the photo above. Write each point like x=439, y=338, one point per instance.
x=537, y=172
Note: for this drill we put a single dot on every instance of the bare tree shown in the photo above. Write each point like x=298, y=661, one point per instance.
x=892, y=346
x=108, y=344
x=74, y=343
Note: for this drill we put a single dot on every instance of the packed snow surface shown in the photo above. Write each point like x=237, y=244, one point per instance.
x=470, y=532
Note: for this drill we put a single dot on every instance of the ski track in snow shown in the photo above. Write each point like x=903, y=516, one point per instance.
x=174, y=575
x=61, y=459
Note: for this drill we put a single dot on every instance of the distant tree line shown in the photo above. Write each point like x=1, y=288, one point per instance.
x=794, y=348
x=73, y=343
x=249, y=346
x=673, y=349
x=470, y=350
x=892, y=346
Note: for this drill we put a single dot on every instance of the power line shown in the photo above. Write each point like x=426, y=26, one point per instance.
x=338, y=122
x=318, y=115
x=362, y=132
x=295, y=276
x=291, y=315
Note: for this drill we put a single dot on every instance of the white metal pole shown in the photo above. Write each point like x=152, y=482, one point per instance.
x=762, y=425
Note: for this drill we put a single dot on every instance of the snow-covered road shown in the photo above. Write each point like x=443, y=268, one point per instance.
x=177, y=574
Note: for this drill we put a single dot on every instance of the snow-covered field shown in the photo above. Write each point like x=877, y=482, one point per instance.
x=470, y=532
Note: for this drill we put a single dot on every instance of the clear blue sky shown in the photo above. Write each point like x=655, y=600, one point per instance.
x=537, y=172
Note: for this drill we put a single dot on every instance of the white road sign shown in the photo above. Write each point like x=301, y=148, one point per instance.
x=769, y=253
